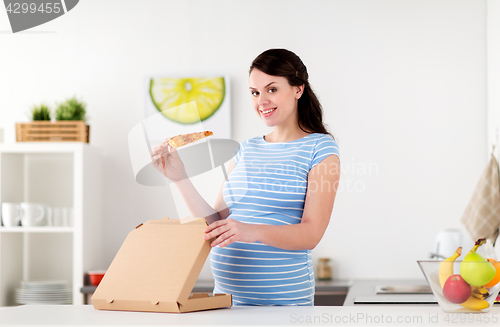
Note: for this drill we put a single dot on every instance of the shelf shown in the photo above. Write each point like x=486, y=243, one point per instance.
x=43, y=147
x=40, y=229
x=58, y=175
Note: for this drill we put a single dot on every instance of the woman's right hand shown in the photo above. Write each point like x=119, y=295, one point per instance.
x=168, y=162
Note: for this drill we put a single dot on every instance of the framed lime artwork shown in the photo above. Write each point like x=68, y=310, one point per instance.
x=180, y=105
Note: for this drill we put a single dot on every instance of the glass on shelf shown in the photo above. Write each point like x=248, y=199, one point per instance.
x=324, y=269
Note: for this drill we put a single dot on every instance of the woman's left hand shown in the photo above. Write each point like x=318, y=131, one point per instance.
x=227, y=231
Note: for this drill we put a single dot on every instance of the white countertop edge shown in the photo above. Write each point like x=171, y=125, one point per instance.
x=360, y=315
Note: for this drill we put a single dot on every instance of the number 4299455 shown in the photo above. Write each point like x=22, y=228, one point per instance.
x=456, y=318
x=48, y=8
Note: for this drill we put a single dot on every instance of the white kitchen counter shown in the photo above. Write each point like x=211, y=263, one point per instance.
x=363, y=315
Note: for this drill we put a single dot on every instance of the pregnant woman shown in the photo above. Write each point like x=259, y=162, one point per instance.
x=276, y=203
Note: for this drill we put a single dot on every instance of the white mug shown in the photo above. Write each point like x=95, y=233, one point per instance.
x=11, y=214
x=33, y=214
x=447, y=242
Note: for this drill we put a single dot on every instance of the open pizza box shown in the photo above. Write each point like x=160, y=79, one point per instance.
x=156, y=269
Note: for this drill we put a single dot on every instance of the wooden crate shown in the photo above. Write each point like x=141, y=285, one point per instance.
x=46, y=131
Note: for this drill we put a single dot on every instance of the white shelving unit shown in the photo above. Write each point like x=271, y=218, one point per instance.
x=57, y=175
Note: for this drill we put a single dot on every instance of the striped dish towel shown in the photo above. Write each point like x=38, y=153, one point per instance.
x=482, y=215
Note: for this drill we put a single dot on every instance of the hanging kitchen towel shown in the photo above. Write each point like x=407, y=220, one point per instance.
x=482, y=215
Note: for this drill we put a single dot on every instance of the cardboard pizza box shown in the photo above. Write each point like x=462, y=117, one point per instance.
x=156, y=268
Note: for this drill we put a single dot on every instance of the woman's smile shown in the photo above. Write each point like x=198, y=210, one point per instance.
x=267, y=112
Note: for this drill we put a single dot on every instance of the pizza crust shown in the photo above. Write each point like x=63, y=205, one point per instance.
x=184, y=139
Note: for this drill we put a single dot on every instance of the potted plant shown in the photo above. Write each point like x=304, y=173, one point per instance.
x=71, y=109
x=40, y=112
x=69, y=126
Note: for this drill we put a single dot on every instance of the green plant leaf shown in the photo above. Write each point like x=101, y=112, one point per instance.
x=40, y=112
x=71, y=109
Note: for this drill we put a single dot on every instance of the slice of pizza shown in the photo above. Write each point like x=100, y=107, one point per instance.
x=183, y=139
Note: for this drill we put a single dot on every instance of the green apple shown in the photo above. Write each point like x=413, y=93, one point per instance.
x=475, y=269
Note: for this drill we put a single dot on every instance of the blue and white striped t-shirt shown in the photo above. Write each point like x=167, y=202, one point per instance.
x=268, y=186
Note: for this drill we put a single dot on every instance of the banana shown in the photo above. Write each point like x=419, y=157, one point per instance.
x=477, y=244
x=479, y=292
x=475, y=304
x=446, y=267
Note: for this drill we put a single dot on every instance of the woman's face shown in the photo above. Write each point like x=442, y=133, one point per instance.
x=274, y=99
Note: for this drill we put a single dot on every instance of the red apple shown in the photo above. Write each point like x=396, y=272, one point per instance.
x=456, y=289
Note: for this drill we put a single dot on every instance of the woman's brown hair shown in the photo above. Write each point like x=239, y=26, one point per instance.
x=285, y=63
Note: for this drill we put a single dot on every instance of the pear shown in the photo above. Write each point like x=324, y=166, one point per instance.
x=475, y=269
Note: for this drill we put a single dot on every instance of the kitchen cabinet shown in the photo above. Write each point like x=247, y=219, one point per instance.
x=58, y=175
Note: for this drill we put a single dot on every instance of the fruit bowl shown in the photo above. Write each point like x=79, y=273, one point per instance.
x=449, y=285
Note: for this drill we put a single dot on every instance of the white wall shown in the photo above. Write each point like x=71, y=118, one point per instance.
x=403, y=84
x=493, y=69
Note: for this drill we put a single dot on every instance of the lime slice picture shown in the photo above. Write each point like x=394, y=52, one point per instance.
x=174, y=93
